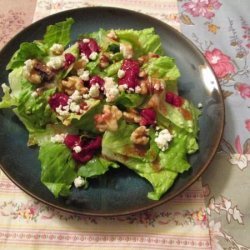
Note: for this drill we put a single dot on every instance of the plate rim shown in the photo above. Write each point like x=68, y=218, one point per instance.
x=192, y=180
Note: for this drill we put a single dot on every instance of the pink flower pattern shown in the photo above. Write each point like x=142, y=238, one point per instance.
x=244, y=89
x=202, y=8
x=221, y=63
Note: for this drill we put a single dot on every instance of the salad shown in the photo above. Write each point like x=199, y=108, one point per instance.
x=108, y=100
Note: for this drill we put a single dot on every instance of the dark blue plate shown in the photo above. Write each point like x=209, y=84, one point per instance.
x=120, y=191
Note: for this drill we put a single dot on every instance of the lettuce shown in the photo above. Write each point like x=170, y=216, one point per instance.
x=7, y=100
x=162, y=67
x=142, y=41
x=96, y=166
x=34, y=111
x=58, y=168
x=129, y=100
x=58, y=33
x=26, y=51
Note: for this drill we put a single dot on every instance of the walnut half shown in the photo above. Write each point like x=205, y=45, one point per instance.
x=140, y=136
x=73, y=83
x=108, y=119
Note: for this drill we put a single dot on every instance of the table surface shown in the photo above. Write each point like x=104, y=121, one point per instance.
x=211, y=214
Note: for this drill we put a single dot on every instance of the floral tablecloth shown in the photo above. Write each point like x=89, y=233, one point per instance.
x=214, y=212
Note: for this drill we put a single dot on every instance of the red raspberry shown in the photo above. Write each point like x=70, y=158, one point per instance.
x=148, y=117
x=58, y=99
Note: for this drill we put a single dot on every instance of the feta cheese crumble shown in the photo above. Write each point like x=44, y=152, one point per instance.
x=93, y=56
x=79, y=182
x=120, y=73
x=55, y=62
x=200, y=105
x=28, y=66
x=84, y=58
x=83, y=74
x=58, y=138
x=63, y=110
x=162, y=139
x=56, y=49
x=76, y=96
x=85, y=40
x=74, y=107
x=110, y=89
x=77, y=149
x=94, y=91
x=126, y=50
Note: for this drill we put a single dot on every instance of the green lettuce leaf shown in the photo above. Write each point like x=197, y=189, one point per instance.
x=58, y=33
x=7, y=100
x=86, y=121
x=113, y=69
x=129, y=100
x=168, y=113
x=34, y=111
x=96, y=166
x=26, y=51
x=58, y=168
x=160, y=179
x=142, y=41
x=162, y=67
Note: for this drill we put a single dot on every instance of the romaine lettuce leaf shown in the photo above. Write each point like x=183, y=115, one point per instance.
x=26, y=51
x=58, y=168
x=86, y=121
x=162, y=67
x=34, y=111
x=185, y=117
x=129, y=100
x=161, y=179
x=7, y=100
x=58, y=33
x=96, y=166
x=142, y=41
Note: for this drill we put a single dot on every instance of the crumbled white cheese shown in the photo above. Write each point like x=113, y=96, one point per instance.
x=57, y=49
x=94, y=91
x=93, y=56
x=110, y=89
x=85, y=40
x=63, y=110
x=55, y=62
x=120, y=73
x=28, y=66
x=138, y=89
x=126, y=50
x=74, y=107
x=131, y=90
x=83, y=74
x=76, y=96
x=200, y=105
x=84, y=58
x=86, y=96
x=77, y=149
x=58, y=138
x=162, y=139
x=79, y=182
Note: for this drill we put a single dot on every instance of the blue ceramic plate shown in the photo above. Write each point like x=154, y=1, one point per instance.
x=119, y=191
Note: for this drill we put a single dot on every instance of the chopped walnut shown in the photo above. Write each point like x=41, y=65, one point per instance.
x=80, y=64
x=143, y=90
x=104, y=61
x=157, y=85
x=145, y=58
x=154, y=102
x=142, y=74
x=73, y=83
x=140, y=136
x=36, y=72
x=108, y=119
x=132, y=116
x=112, y=35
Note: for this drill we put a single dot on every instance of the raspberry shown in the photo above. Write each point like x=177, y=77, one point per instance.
x=69, y=59
x=96, y=80
x=58, y=99
x=173, y=99
x=88, y=147
x=148, y=117
x=89, y=47
x=131, y=69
